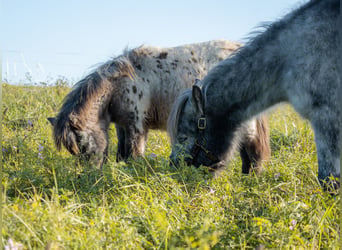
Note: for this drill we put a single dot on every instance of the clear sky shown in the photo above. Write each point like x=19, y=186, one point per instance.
x=53, y=38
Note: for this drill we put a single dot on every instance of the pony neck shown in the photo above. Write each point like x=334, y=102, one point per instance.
x=238, y=89
x=246, y=84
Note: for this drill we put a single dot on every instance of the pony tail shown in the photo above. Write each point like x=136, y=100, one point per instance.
x=263, y=132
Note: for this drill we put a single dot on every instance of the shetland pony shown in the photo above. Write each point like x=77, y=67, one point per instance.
x=294, y=60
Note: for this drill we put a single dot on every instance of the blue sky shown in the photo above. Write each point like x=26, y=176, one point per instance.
x=49, y=39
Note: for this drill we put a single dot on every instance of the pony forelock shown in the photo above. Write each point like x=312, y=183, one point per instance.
x=64, y=135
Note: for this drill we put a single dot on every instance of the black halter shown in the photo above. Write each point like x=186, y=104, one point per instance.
x=200, y=144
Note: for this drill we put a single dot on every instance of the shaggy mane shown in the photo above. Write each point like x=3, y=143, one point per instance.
x=173, y=119
x=82, y=94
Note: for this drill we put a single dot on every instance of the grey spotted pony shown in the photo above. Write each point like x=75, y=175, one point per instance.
x=294, y=60
x=136, y=91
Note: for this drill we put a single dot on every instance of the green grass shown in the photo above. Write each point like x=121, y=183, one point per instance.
x=50, y=201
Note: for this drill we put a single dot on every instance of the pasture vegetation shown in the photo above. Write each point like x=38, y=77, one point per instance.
x=52, y=201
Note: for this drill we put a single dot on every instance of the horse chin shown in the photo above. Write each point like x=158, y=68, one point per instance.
x=92, y=159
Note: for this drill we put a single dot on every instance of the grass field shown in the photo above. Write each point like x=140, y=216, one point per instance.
x=50, y=201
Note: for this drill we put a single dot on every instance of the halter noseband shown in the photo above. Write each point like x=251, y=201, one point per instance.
x=200, y=144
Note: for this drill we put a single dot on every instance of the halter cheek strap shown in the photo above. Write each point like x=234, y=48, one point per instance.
x=200, y=144
x=200, y=141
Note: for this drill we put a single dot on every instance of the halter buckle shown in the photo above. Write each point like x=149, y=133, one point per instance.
x=202, y=123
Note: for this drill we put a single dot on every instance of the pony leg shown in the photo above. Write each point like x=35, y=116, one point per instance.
x=135, y=142
x=327, y=137
x=121, y=154
x=251, y=157
x=130, y=143
x=104, y=158
x=255, y=148
x=246, y=161
x=139, y=144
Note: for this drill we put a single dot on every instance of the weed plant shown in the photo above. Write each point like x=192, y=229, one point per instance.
x=52, y=201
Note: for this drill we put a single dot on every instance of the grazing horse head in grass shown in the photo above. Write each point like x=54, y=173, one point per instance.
x=135, y=91
x=294, y=60
x=251, y=138
x=82, y=123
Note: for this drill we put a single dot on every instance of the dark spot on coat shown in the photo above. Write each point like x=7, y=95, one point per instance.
x=162, y=55
x=134, y=88
x=140, y=95
x=194, y=60
x=192, y=53
x=131, y=115
x=174, y=65
x=159, y=65
x=138, y=67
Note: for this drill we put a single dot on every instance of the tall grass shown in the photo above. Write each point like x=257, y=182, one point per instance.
x=51, y=201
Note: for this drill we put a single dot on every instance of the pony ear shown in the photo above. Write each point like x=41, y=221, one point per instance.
x=197, y=99
x=52, y=120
